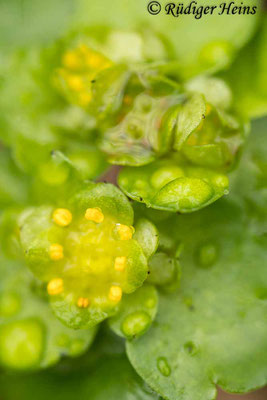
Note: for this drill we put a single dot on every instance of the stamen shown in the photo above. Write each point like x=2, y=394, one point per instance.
x=95, y=215
x=125, y=232
x=95, y=61
x=71, y=60
x=120, y=263
x=115, y=293
x=83, y=302
x=56, y=252
x=55, y=286
x=62, y=216
x=75, y=82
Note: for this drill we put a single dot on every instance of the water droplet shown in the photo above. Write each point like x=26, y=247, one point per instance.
x=190, y=348
x=135, y=324
x=163, y=366
x=207, y=255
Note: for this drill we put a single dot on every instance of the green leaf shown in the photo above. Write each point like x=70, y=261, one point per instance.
x=147, y=236
x=165, y=271
x=123, y=383
x=136, y=313
x=30, y=335
x=105, y=196
x=173, y=185
x=208, y=135
x=248, y=183
x=144, y=133
x=164, y=266
x=190, y=117
x=212, y=331
x=108, y=90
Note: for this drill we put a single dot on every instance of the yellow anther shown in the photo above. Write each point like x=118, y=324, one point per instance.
x=75, y=82
x=115, y=293
x=96, y=61
x=62, y=216
x=56, y=252
x=55, y=286
x=71, y=60
x=84, y=98
x=83, y=302
x=94, y=214
x=120, y=263
x=125, y=232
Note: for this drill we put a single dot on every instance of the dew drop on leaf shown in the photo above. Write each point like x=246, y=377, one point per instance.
x=190, y=348
x=163, y=366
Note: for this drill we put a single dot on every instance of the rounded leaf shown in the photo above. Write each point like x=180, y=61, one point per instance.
x=147, y=236
x=173, y=186
x=136, y=313
x=201, y=333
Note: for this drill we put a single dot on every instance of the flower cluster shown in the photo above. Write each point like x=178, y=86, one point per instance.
x=86, y=253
